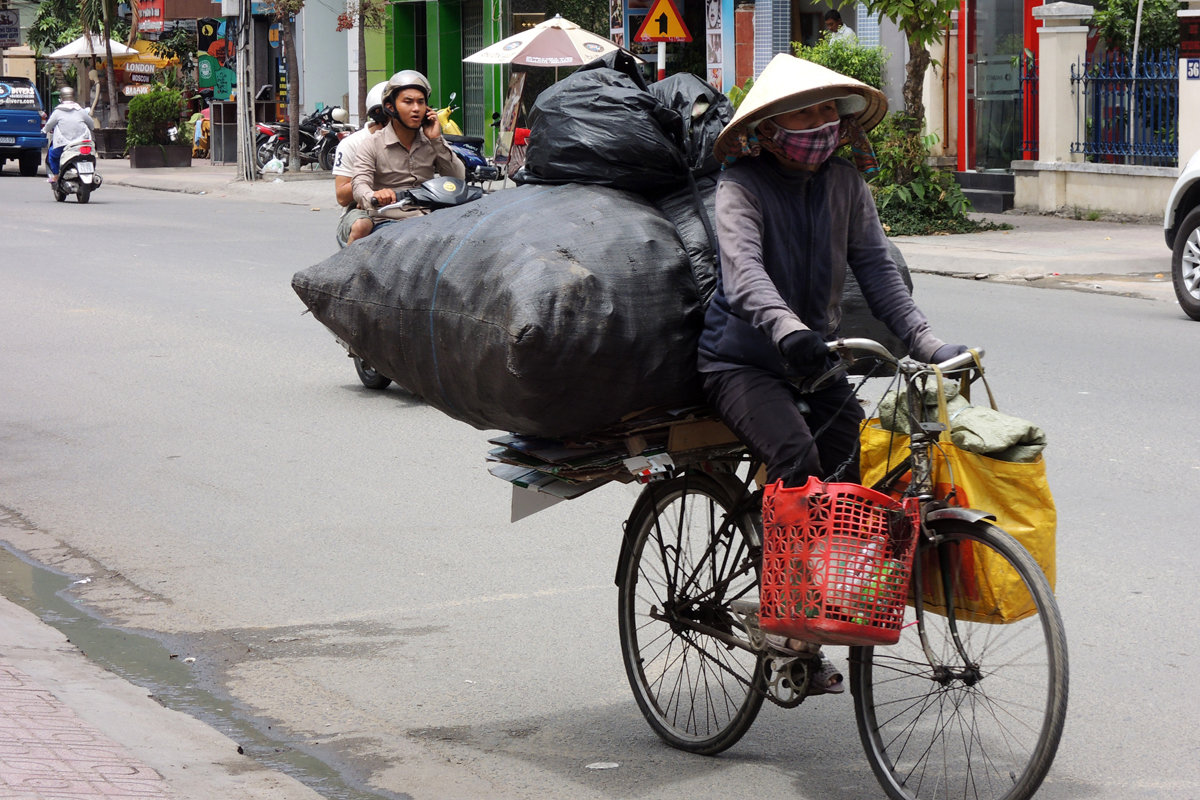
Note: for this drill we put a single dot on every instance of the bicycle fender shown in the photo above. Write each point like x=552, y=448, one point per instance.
x=963, y=514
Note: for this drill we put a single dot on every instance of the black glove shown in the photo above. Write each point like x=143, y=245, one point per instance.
x=805, y=352
x=946, y=352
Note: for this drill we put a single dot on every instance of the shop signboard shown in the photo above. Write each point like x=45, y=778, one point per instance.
x=1189, y=36
x=223, y=83
x=150, y=16
x=10, y=27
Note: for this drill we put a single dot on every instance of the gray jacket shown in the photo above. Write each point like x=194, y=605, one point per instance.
x=786, y=239
x=70, y=121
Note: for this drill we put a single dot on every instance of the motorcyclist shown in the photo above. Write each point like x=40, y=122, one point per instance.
x=68, y=123
x=355, y=223
x=407, y=152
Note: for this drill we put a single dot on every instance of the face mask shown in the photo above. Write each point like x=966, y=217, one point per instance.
x=810, y=146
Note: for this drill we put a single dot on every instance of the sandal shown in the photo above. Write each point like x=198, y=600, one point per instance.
x=826, y=680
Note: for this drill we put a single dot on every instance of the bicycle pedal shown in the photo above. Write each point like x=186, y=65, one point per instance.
x=746, y=612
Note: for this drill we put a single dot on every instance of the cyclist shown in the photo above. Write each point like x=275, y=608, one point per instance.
x=408, y=151
x=790, y=219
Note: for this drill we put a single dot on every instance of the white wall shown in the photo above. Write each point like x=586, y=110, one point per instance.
x=322, y=55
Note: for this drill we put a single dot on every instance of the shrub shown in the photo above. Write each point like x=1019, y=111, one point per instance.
x=152, y=115
x=847, y=57
x=914, y=198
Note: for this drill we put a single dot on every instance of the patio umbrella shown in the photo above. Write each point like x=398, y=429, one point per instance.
x=554, y=43
x=89, y=46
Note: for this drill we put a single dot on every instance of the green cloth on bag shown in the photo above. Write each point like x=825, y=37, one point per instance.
x=976, y=429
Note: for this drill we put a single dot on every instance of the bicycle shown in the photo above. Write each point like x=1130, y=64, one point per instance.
x=956, y=707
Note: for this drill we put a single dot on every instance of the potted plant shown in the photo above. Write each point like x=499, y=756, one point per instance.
x=154, y=133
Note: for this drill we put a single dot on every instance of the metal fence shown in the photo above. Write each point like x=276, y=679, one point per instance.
x=1029, y=107
x=1123, y=118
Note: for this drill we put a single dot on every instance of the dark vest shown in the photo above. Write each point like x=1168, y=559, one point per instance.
x=796, y=228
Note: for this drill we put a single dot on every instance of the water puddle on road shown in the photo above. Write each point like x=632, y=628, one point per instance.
x=147, y=662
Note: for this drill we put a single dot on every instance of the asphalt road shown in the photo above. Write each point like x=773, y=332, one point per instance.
x=340, y=564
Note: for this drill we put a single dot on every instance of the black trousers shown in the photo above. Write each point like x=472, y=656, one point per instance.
x=761, y=408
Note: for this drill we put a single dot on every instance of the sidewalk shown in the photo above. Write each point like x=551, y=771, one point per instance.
x=70, y=730
x=313, y=188
x=1055, y=252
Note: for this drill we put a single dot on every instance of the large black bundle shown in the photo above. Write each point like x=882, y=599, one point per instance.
x=544, y=310
x=600, y=125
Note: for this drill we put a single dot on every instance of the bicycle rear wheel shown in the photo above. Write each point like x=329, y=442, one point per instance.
x=678, y=573
x=983, y=726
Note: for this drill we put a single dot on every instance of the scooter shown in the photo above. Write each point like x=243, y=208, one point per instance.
x=468, y=148
x=77, y=171
x=437, y=192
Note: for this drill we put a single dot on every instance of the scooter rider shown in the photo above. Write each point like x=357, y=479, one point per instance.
x=355, y=223
x=69, y=122
x=407, y=152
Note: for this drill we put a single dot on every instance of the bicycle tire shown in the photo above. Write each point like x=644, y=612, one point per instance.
x=983, y=733
x=699, y=694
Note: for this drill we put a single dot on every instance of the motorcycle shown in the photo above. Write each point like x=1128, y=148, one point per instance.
x=468, y=148
x=319, y=133
x=77, y=171
x=437, y=192
x=264, y=142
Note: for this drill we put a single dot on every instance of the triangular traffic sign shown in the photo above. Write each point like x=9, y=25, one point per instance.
x=663, y=23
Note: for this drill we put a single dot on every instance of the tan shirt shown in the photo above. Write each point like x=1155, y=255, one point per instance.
x=383, y=162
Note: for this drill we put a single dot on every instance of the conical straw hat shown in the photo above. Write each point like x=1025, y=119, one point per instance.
x=789, y=83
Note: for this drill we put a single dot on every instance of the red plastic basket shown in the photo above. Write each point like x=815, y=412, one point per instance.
x=837, y=558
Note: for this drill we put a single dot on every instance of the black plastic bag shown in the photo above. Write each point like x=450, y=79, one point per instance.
x=601, y=126
x=704, y=111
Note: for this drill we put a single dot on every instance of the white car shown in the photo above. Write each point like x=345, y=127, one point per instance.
x=1181, y=226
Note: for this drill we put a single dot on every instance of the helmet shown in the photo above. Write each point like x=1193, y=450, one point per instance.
x=375, y=96
x=339, y=114
x=66, y=94
x=406, y=79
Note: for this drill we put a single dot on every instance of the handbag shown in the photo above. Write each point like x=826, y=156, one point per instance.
x=1017, y=493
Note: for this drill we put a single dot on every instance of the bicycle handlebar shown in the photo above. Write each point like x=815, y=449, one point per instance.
x=850, y=346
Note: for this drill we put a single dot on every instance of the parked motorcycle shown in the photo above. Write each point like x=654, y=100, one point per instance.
x=77, y=171
x=438, y=192
x=468, y=148
x=319, y=132
x=264, y=142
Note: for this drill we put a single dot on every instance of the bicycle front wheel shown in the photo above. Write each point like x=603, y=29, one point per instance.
x=680, y=569
x=983, y=716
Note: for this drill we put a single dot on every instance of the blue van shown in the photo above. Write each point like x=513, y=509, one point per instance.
x=21, y=120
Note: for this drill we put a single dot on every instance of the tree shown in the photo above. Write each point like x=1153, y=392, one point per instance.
x=180, y=46
x=923, y=23
x=1116, y=21
x=97, y=17
x=360, y=15
x=56, y=24
x=286, y=11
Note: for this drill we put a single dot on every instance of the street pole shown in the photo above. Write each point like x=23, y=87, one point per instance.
x=246, y=155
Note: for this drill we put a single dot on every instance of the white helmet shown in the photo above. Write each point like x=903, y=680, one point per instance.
x=375, y=96
x=339, y=114
x=406, y=79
